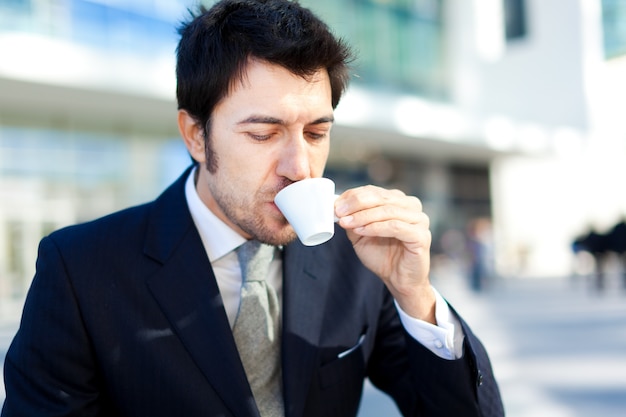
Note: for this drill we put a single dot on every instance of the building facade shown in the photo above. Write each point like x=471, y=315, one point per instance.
x=485, y=109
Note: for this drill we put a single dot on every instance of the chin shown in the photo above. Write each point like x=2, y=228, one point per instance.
x=280, y=237
x=283, y=239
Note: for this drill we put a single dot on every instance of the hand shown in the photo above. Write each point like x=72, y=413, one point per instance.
x=390, y=234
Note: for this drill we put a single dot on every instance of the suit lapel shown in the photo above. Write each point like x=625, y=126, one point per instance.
x=187, y=293
x=304, y=293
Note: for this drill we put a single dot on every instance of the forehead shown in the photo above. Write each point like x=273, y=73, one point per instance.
x=258, y=73
x=273, y=88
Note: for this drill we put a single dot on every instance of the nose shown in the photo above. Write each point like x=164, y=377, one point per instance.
x=294, y=162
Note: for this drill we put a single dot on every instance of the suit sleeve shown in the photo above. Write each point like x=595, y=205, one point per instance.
x=423, y=384
x=49, y=366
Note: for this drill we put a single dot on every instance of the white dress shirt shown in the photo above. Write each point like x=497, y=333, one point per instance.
x=220, y=241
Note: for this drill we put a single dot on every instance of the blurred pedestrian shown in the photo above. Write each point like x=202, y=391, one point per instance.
x=140, y=313
x=480, y=251
x=597, y=245
x=617, y=243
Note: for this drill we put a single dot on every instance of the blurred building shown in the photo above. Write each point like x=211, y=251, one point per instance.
x=507, y=110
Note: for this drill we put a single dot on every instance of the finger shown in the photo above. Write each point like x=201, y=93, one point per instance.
x=369, y=197
x=381, y=214
x=372, y=196
x=397, y=229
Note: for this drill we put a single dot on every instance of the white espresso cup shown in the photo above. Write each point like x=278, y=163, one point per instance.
x=309, y=206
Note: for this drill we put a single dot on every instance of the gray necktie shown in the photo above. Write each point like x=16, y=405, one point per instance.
x=257, y=328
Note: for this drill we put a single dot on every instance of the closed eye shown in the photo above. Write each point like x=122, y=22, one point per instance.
x=316, y=136
x=258, y=137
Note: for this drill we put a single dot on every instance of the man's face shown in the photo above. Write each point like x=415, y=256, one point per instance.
x=271, y=130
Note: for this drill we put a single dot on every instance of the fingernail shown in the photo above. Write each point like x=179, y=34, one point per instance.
x=347, y=219
x=341, y=210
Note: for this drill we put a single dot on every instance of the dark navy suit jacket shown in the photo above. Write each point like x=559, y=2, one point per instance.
x=124, y=318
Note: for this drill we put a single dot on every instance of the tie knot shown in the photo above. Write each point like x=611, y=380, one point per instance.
x=254, y=259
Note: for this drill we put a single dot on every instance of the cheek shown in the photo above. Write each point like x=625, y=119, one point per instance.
x=246, y=169
x=318, y=160
x=231, y=155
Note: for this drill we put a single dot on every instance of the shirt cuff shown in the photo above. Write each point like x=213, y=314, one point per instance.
x=444, y=339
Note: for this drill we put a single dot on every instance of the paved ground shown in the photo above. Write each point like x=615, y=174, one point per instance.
x=558, y=349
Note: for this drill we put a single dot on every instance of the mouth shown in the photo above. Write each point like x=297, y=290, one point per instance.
x=275, y=209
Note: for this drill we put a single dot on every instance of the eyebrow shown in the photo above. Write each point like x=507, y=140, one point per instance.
x=274, y=121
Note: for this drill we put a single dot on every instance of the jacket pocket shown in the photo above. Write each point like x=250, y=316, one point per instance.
x=349, y=363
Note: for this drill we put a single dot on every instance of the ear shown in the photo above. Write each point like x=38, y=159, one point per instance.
x=193, y=135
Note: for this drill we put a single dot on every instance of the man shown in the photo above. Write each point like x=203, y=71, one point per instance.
x=136, y=314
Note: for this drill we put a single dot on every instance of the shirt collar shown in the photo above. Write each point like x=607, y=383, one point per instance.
x=217, y=237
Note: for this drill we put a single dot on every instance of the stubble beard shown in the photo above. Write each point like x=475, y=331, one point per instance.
x=247, y=213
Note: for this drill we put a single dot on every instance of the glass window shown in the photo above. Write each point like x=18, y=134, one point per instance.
x=146, y=27
x=13, y=14
x=614, y=24
x=514, y=19
x=62, y=156
x=122, y=28
x=16, y=4
x=399, y=43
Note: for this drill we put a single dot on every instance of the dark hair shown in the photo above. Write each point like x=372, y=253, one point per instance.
x=216, y=44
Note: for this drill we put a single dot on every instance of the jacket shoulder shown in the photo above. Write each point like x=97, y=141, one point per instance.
x=121, y=225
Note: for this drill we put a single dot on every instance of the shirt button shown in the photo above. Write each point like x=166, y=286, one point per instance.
x=479, y=380
x=438, y=344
